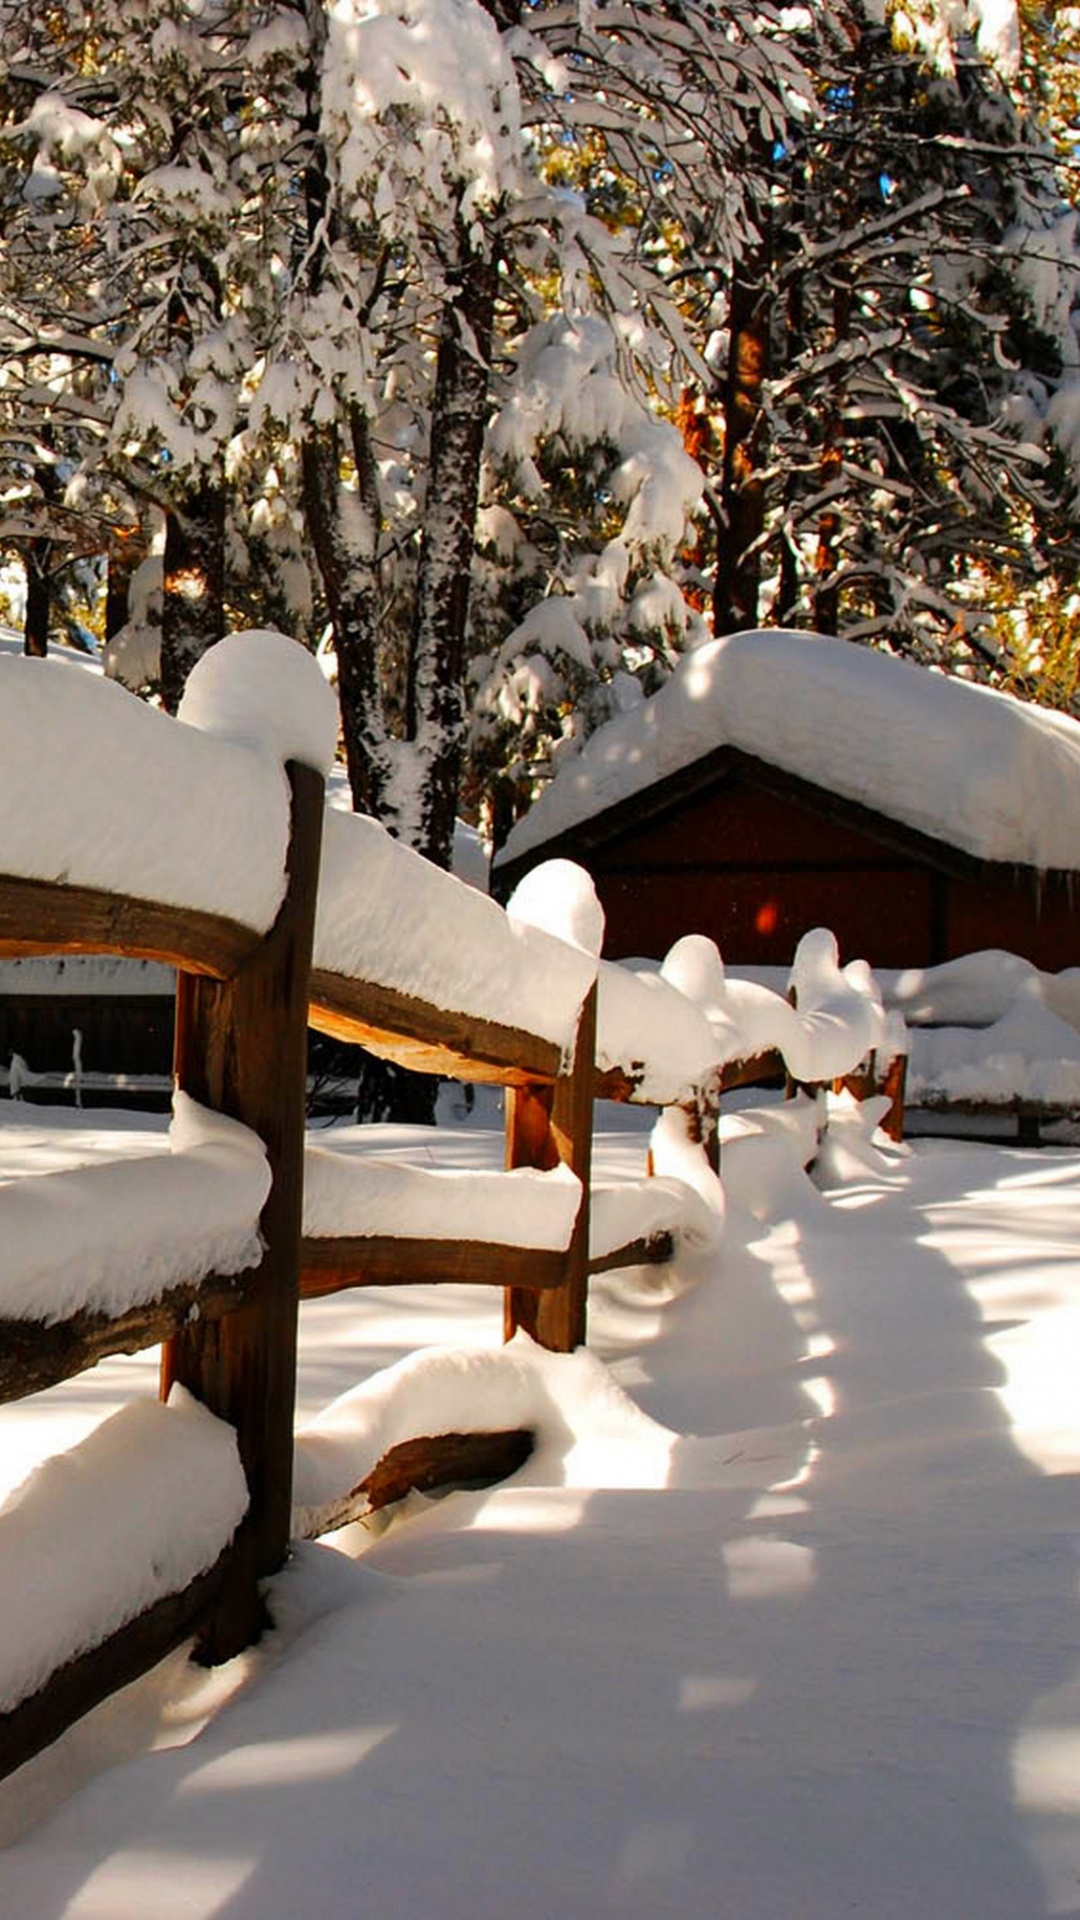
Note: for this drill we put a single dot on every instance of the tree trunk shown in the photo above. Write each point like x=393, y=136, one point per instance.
x=827, y=560
x=348, y=578
x=435, y=708
x=38, y=564
x=127, y=550
x=738, y=566
x=193, y=592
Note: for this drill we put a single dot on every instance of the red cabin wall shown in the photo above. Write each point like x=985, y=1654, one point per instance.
x=755, y=870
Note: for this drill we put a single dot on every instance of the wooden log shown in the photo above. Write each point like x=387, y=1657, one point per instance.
x=863, y=1082
x=44, y=916
x=334, y=1266
x=328, y=1266
x=624, y=1083
x=654, y=1250
x=34, y=1356
x=82, y=1683
x=437, y=1460
x=428, y=1039
x=546, y=1127
x=757, y=1069
x=620, y=1083
x=893, y=1084
x=241, y=1049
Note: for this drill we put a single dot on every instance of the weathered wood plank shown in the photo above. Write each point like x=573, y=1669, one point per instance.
x=241, y=1049
x=437, y=1460
x=44, y=916
x=34, y=1356
x=329, y=1266
x=25, y=1730
x=428, y=1039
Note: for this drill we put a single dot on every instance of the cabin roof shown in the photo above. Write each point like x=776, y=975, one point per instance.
x=957, y=768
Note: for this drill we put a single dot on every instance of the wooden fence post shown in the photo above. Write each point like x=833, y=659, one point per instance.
x=241, y=1049
x=546, y=1126
x=894, y=1084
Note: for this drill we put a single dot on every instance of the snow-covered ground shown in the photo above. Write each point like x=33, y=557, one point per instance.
x=779, y=1623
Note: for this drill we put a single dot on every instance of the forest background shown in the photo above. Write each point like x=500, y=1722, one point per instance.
x=504, y=349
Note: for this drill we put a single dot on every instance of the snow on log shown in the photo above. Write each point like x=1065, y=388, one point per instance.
x=568, y=1399
x=839, y=1012
x=116, y=796
x=97, y=1535
x=652, y=1036
x=664, y=1208
x=348, y=1192
x=389, y=917
x=109, y=1237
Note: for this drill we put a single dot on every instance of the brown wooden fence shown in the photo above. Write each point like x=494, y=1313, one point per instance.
x=244, y=1003
x=242, y=1013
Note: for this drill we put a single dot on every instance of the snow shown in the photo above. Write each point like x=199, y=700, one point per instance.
x=267, y=692
x=975, y=989
x=387, y=915
x=648, y=1029
x=780, y=1617
x=972, y=767
x=560, y=897
x=99, y=1533
x=116, y=1234
x=348, y=1191
x=1027, y=1054
x=172, y=792
x=85, y=975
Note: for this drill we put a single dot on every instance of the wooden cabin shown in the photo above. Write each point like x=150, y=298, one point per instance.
x=737, y=845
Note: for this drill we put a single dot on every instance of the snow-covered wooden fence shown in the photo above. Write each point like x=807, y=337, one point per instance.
x=199, y=842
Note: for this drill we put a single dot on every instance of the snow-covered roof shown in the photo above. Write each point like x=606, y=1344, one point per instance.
x=971, y=767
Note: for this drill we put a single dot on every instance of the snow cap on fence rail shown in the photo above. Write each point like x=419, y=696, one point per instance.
x=651, y=1032
x=693, y=965
x=262, y=689
x=350, y=1192
x=569, y=1400
x=100, y=790
x=387, y=915
x=119, y=1233
x=97, y=1535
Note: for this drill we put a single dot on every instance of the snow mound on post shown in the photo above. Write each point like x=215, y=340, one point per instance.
x=264, y=690
x=387, y=915
x=97, y=1535
x=964, y=764
x=118, y=1235
x=115, y=795
x=839, y=1012
x=559, y=897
